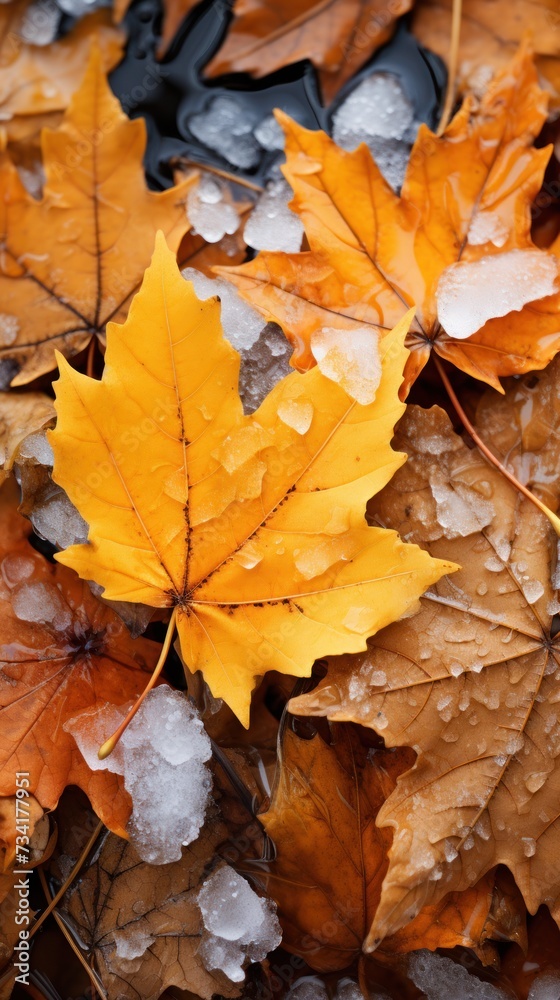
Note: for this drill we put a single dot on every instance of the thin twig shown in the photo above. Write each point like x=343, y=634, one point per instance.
x=452, y=67
x=224, y=174
x=554, y=520
x=68, y=882
x=95, y=981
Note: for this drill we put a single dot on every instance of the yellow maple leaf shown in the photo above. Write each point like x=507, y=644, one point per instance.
x=251, y=527
x=71, y=261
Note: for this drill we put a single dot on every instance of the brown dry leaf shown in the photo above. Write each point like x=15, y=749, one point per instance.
x=331, y=858
x=338, y=36
x=62, y=651
x=39, y=80
x=21, y=414
x=471, y=681
x=121, y=895
x=460, y=228
x=72, y=260
x=490, y=34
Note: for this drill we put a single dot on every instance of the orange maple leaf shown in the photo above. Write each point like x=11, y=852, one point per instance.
x=71, y=261
x=63, y=651
x=456, y=243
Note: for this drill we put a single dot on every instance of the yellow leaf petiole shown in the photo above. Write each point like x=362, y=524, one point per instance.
x=111, y=743
x=469, y=427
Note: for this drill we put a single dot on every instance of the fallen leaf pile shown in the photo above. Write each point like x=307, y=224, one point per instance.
x=280, y=649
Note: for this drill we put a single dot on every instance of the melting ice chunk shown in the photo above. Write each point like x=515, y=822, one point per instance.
x=77, y=8
x=377, y=106
x=132, y=942
x=41, y=603
x=210, y=214
x=308, y=988
x=439, y=977
x=238, y=924
x=350, y=358
x=36, y=448
x=545, y=987
x=269, y=133
x=52, y=513
x=263, y=365
x=296, y=413
x=56, y=519
x=378, y=113
x=162, y=755
x=241, y=324
x=224, y=128
x=460, y=510
x=272, y=225
x=472, y=292
x=487, y=227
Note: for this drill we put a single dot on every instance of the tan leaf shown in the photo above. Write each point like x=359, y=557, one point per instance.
x=471, y=680
x=490, y=34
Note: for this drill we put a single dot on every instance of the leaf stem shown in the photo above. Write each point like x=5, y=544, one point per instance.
x=452, y=69
x=111, y=743
x=362, y=977
x=90, y=358
x=493, y=459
